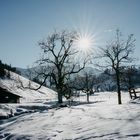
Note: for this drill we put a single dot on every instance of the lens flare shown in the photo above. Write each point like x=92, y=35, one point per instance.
x=84, y=44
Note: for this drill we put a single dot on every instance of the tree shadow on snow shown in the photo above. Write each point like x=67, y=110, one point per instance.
x=77, y=103
x=8, y=136
x=70, y=104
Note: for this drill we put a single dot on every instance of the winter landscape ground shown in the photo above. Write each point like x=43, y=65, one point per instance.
x=101, y=119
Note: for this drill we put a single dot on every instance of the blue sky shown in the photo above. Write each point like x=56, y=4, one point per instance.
x=25, y=22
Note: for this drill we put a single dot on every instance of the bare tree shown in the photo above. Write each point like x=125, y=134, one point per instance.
x=58, y=60
x=117, y=54
x=128, y=76
x=85, y=83
x=88, y=83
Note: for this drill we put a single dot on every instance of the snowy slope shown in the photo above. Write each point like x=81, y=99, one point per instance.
x=14, y=85
x=102, y=119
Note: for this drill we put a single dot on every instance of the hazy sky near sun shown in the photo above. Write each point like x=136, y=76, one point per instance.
x=25, y=22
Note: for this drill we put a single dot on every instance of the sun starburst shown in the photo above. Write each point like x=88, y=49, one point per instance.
x=84, y=44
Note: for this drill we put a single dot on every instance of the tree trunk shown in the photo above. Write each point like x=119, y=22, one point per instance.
x=60, y=97
x=118, y=87
x=88, y=97
x=119, y=97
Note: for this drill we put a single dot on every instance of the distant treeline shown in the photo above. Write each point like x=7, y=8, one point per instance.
x=4, y=67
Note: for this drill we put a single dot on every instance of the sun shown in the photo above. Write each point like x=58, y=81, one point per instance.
x=84, y=43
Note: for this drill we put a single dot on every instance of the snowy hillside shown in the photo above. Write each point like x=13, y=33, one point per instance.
x=102, y=119
x=14, y=85
x=23, y=72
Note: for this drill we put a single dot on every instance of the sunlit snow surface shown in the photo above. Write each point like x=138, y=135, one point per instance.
x=14, y=85
x=102, y=119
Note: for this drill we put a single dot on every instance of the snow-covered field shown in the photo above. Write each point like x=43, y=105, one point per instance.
x=102, y=119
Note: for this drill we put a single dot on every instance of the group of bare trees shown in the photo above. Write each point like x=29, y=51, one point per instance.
x=58, y=62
